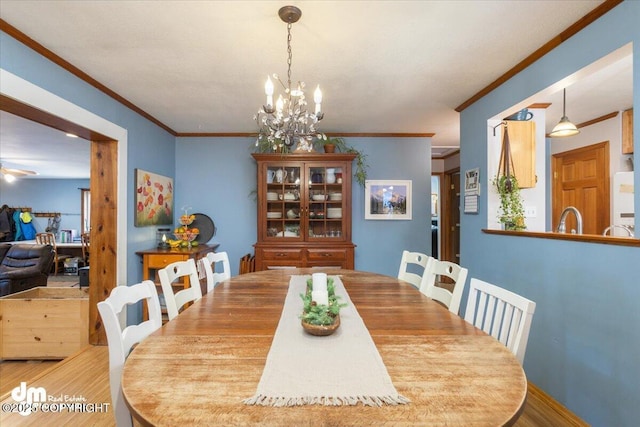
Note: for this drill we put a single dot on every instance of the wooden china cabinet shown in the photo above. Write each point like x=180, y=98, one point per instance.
x=304, y=211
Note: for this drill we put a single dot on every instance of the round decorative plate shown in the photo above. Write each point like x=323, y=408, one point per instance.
x=206, y=226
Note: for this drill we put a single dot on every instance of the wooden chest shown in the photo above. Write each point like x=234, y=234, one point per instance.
x=44, y=323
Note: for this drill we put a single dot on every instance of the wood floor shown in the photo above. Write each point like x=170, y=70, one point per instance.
x=81, y=378
x=89, y=370
x=13, y=372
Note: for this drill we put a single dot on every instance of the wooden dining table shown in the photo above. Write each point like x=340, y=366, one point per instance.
x=198, y=368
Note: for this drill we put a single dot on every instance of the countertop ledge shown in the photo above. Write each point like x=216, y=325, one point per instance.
x=586, y=238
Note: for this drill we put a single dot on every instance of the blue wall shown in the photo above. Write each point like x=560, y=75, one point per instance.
x=216, y=176
x=380, y=242
x=46, y=195
x=584, y=346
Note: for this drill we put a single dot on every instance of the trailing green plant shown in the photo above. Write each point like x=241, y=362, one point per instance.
x=511, y=209
x=360, y=170
x=320, y=314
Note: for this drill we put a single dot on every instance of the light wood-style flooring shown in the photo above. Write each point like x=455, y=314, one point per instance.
x=91, y=367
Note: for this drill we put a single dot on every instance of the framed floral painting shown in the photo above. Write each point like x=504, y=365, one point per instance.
x=154, y=199
x=387, y=199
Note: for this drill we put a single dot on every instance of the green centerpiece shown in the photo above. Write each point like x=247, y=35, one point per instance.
x=320, y=319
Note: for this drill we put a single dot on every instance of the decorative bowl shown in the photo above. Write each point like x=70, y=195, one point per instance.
x=186, y=219
x=321, y=330
x=186, y=236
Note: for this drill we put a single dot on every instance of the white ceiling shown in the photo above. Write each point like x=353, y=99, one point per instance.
x=383, y=66
x=51, y=153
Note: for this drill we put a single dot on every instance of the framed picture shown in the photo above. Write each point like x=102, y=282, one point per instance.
x=154, y=199
x=472, y=181
x=387, y=199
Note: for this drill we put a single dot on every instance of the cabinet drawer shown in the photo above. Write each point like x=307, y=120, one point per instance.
x=162, y=260
x=277, y=266
x=282, y=254
x=327, y=254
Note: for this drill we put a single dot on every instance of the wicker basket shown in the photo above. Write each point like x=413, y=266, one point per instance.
x=321, y=330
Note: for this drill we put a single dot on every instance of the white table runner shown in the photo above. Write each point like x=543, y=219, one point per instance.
x=341, y=369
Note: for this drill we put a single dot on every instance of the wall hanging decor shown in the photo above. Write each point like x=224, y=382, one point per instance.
x=511, y=209
x=472, y=181
x=387, y=199
x=154, y=199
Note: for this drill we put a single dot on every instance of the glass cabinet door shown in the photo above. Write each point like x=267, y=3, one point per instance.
x=283, y=201
x=325, y=202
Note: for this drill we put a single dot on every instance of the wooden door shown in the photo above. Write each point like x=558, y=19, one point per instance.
x=581, y=179
x=451, y=217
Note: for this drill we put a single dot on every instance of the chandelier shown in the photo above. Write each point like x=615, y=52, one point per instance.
x=288, y=122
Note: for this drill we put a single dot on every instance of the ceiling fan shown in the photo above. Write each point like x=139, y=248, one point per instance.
x=10, y=174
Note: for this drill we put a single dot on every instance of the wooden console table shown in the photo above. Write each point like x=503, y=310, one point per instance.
x=155, y=259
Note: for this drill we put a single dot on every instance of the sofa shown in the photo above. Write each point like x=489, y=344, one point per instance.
x=24, y=266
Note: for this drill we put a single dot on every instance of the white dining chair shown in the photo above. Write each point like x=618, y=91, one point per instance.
x=121, y=340
x=214, y=277
x=412, y=267
x=434, y=287
x=173, y=272
x=504, y=315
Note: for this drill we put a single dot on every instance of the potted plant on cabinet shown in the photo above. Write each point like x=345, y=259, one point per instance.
x=331, y=144
x=511, y=209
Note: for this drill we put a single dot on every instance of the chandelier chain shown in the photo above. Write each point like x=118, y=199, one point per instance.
x=289, y=58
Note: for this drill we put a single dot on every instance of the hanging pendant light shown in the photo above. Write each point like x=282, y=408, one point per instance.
x=564, y=127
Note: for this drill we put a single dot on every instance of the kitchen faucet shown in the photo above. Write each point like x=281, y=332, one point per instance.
x=626, y=228
x=562, y=228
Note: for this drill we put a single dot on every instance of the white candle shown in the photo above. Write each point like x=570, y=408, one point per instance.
x=268, y=90
x=320, y=297
x=319, y=281
x=317, y=98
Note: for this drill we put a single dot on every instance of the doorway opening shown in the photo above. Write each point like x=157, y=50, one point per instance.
x=104, y=181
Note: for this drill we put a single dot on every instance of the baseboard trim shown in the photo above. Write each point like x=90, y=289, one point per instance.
x=555, y=406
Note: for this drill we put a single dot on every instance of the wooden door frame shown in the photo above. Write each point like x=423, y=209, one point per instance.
x=108, y=173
